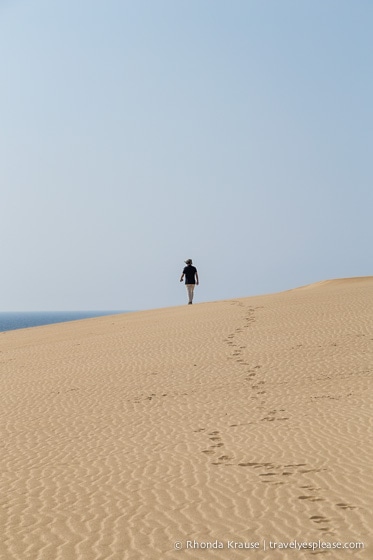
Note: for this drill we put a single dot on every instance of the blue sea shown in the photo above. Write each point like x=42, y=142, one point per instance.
x=10, y=321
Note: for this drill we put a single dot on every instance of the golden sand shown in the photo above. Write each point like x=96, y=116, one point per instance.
x=211, y=426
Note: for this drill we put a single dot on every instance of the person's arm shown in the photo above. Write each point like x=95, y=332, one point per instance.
x=182, y=277
x=197, y=279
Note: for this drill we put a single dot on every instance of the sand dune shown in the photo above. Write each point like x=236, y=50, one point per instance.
x=237, y=421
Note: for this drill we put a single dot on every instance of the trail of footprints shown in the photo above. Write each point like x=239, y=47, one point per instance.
x=276, y=475
x=214, y=448
x=237, y=352
x=258, y=386
x=269, y=473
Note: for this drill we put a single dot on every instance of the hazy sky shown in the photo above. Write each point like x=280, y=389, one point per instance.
x=137, y=134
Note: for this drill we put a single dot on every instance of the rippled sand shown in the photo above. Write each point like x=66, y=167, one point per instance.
x=237, y=421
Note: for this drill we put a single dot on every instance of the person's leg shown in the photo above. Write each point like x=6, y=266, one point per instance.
x=190, y=290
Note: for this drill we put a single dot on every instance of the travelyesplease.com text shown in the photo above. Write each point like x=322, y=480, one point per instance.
x=267, y=544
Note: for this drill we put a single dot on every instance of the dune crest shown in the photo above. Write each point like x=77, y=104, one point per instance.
x=338, y=282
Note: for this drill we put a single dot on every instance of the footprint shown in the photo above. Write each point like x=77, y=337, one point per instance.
x=345, y=506
x=320, y=519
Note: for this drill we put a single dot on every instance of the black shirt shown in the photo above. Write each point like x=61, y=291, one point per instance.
x=190, y=272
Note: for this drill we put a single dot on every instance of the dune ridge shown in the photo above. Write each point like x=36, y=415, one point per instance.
x=241, y=420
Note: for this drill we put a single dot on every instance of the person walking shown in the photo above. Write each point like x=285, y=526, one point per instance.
x=191, y=279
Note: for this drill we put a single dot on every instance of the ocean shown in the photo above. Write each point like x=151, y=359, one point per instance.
x=10, y=321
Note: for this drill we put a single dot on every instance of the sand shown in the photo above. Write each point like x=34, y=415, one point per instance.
x=206, y=428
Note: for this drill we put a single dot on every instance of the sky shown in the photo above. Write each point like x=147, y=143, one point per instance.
x=137, y=134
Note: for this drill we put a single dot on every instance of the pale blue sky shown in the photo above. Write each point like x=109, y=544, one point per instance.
x=137, y=134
